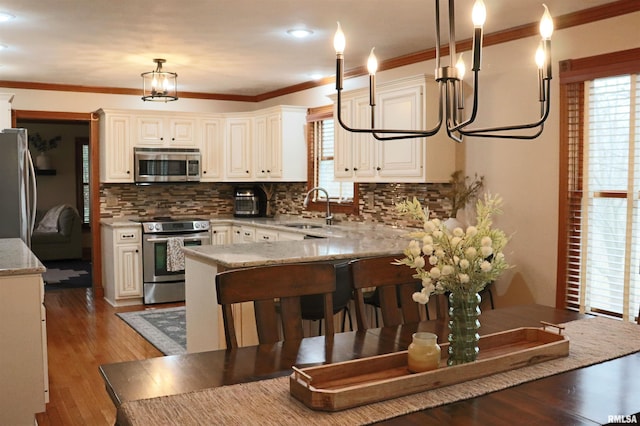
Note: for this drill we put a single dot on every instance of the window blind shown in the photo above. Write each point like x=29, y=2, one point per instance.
x=321, y=151
x=338, y=191
x=573, y=114
x=607, y=256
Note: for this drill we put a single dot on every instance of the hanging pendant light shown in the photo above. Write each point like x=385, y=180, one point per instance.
x=159, y=85
x=450, y=87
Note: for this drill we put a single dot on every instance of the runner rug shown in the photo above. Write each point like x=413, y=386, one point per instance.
x=164, y=328
x=268, y=402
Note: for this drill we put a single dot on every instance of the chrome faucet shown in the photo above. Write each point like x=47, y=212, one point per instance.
x=329, y=217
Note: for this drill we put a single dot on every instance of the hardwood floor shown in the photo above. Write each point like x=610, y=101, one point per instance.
x=83, y=333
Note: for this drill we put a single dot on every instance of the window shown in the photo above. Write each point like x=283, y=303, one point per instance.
x=342, y=195
x=83, y=200
x=599, y=252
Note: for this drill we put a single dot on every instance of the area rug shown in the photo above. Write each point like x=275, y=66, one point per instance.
x=591, y=341
x=164, y=328
x=67, y=274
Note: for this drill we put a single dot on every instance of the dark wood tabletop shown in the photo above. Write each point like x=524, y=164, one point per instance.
x=586, y=396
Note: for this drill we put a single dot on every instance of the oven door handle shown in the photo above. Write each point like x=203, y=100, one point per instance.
x=185, y=239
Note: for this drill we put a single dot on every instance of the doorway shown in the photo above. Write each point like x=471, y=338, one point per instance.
x=73, y=174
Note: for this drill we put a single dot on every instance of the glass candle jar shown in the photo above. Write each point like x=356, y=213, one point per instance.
x=424, y=353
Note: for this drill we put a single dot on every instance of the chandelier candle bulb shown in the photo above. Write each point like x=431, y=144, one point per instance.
x=478, y=16
x=339, y=43
x=372, y=67
x=546, y=30
x=423, y=353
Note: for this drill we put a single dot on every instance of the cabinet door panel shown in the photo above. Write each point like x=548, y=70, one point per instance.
x=343, y=143
x=401, y=109
x=182, y=131
x=150, y=131
x=238, y=146
x=116, y=149
x=129, y=273
x=261, y=155
x=274, y=146
x=364, y=145
x=211, y=149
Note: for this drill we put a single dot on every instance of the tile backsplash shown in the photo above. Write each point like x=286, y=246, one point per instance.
x=377, y=200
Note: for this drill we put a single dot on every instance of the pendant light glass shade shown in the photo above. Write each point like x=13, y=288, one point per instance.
x=159, y=85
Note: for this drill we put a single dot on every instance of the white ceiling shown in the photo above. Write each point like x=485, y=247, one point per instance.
x=236, y=47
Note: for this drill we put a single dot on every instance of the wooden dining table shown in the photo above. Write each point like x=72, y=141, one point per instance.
x=602, y=393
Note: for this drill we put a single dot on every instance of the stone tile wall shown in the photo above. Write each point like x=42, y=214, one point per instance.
x=377, y=200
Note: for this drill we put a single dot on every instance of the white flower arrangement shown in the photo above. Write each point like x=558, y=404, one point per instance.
x=456, y=261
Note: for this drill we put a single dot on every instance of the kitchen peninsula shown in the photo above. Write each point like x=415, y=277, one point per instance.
x=204, y=325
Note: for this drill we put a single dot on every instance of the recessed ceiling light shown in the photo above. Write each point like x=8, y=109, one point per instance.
x=4, y=17
x=300, y=32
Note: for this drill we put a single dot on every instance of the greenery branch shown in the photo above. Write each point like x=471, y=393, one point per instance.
x=461, y=192
x=42, y=145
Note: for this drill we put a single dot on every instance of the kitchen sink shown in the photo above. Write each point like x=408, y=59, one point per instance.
x=302, y=225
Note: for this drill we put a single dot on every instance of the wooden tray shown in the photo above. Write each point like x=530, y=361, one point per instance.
x=348, y=384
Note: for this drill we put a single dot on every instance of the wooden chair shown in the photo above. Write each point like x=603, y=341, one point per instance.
x=394, y=284
x=269, y=286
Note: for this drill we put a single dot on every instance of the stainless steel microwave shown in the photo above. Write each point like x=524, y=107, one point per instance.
x=165, y=165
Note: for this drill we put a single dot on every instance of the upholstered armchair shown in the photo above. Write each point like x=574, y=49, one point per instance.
x=62, y=238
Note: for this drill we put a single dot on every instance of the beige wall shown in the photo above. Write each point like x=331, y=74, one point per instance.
x=525, y=173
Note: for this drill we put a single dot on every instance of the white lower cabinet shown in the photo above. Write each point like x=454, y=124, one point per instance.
x=265, y=235
x=220, y=234
x=122, y=265
x=243, y=234
x=24, y=382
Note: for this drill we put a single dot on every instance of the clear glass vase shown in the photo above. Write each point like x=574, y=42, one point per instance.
x=464, y=310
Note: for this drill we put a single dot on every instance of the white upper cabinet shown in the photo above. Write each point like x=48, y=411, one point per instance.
x=211, y=148
x=280, y=148
x=166, y=131
x=238, y=141
x=401, y=108
x=116, y=148
x=267, y=145
x=400, y=104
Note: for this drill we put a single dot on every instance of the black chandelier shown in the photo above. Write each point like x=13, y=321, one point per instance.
x=159, y=85
x=450, y=87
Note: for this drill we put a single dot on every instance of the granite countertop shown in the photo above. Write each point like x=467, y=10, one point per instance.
x=344, y=240
x=283, y=223
x=17, y=259
x=120, y=222
x=311, y=250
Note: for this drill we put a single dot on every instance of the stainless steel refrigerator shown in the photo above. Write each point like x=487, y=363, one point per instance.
x=18, y=195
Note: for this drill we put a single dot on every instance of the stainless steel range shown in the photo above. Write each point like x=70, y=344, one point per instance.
x=163, y=284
